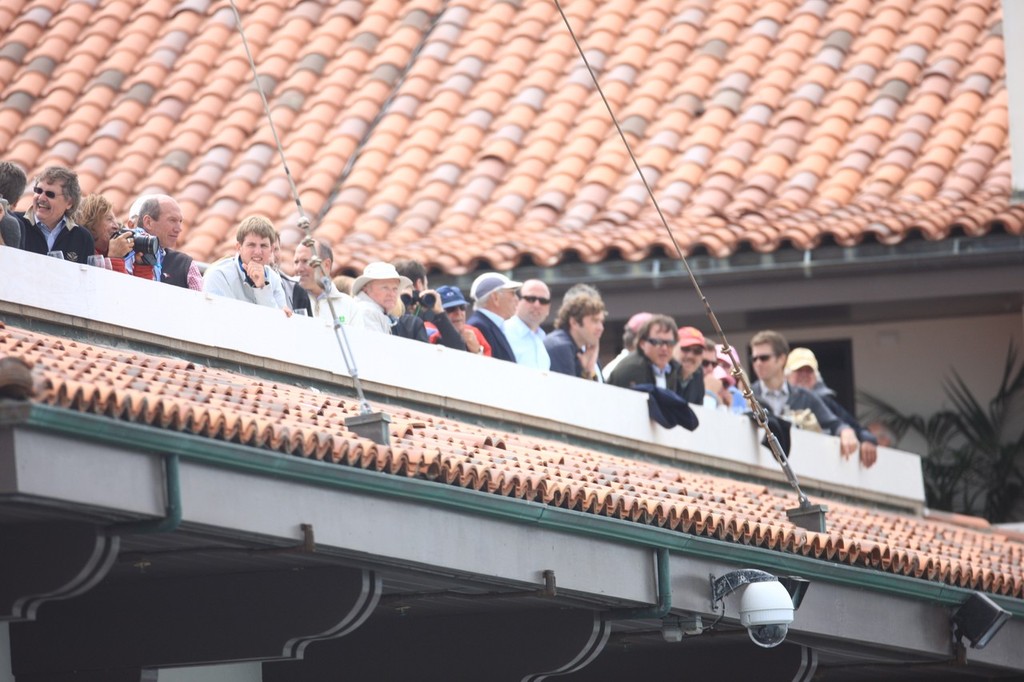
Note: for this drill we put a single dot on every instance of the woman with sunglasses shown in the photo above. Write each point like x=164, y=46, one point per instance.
x=49, y=226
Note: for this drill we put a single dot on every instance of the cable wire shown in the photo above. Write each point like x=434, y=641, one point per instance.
x=760, y=415
x=324, y=278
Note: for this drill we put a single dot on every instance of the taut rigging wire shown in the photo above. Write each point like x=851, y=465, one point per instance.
x=314, y=261
x=738, y=373
x=760, y=415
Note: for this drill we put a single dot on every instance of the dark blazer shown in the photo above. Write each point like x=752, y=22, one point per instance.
x=494, y=334
x=74, y=240
x=563, y=352
x=635, y=369
x=175, y=268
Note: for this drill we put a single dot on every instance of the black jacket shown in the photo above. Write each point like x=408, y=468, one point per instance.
x=635, y=369
x=495, y=336
x=74, y=241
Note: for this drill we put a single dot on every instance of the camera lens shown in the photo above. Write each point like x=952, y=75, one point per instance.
x=768, y=636
x=146, y=244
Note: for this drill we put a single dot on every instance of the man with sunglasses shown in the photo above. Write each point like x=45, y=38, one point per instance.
x=652, y=361
x=689, y=353
x=769, y=351
x=49, y=225
x=524, y=328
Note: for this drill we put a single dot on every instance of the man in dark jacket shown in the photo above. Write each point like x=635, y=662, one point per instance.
x=494, y=301
x=574, y=344
x=160, y=216
x=49, y=225
x=652, y=362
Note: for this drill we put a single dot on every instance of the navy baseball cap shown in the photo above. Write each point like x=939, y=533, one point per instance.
x=451, y=296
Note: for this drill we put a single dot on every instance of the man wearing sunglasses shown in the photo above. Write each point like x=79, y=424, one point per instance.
x=689, y=353
x=49, y=225
x=523, y=329
x=652, y=362
x=769, y=351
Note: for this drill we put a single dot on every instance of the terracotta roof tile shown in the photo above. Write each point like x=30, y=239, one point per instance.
x=846, y=72
x=177, y=395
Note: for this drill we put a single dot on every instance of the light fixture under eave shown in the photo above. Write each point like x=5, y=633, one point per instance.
x=978, y=620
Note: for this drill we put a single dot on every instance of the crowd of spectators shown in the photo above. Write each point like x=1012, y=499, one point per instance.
x=506, y=322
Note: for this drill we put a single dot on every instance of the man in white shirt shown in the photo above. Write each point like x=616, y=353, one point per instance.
x=247, y=276
x=376, y=295
x=311, y=278
x=523, y=329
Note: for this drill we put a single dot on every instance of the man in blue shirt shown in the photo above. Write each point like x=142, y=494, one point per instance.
x=523, y=329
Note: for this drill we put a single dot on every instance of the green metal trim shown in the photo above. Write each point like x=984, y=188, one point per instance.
x=253, y=460
x=664, y=596
x=173, y=508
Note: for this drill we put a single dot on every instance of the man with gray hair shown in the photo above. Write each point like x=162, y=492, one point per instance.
x=49, y=226
x=160, y=216
x=495, y=301
x=12, y=186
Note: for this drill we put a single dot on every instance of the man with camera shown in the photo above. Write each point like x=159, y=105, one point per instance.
x=160, y=218
x=247, y=276
x=48, y=227
x=422, y=304
x=311, y=278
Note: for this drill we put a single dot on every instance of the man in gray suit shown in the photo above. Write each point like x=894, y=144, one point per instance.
x=769, y=351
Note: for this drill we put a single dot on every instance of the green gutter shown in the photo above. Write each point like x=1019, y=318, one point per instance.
x=248, y=459
x=173, y=509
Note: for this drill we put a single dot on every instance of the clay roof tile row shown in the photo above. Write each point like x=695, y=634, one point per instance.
x=179, y=395
x=829, y=101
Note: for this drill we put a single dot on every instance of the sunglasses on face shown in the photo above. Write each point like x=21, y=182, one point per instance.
x=452, y=308
x=536, y=299
x=708, y=363
x=50, y=194
x=694, y=350
x=762, y=358
x=660, y=342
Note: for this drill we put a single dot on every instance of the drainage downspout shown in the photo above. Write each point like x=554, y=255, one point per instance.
x=172, y=519
x=664, y=596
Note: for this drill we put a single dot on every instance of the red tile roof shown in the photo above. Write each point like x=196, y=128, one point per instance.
x=467, y=133
x=178, y=395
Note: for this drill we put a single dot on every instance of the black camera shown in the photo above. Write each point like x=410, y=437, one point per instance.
x=427, y=300
x=144, y=244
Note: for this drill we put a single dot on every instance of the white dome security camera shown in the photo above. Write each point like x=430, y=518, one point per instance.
x=766, y=610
